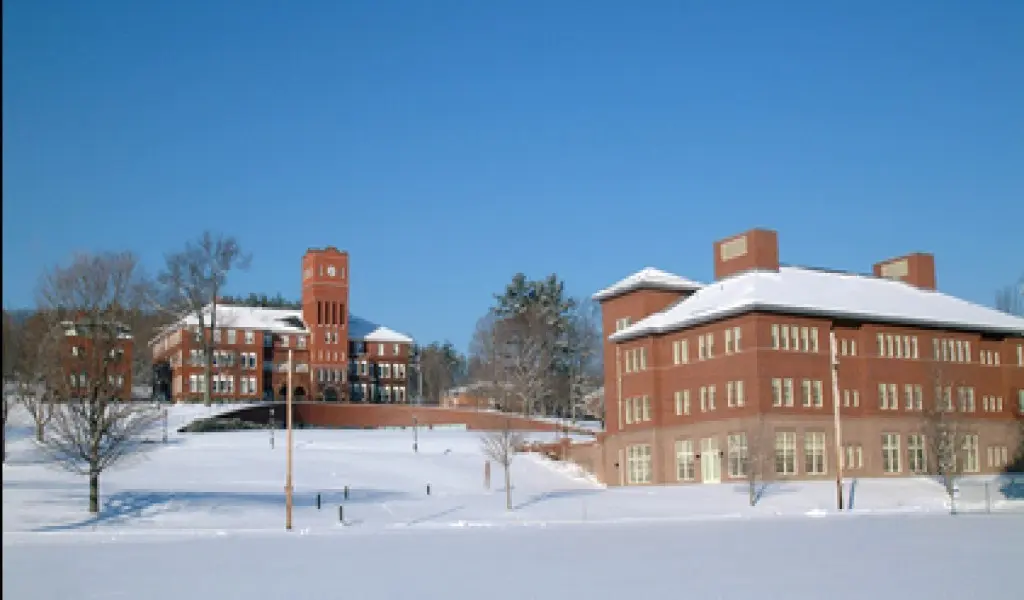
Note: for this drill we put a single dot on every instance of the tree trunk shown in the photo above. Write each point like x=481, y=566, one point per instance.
x=39, y=428
x=508, y=488
x=752, y=489
x=94, y=493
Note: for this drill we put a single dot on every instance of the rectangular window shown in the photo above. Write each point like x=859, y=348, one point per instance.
x=775, y=337
x=638, y=462
x=684, y=351
x=806, y=388
x=740, y=394
x=232, y=336
x=685, y=460
x=814, y=453
x=785, y=453
x=784, y=336
x=881, y=345
x=853, y=457
x=971, y=458
x=787, y=392
x=711, y=397
x=805, y=339
x=913, y=348
x=703, y=399
x=916, y=453
x=737, y=446
x=890, y=452
x=819, y=394
x=736, y=339
x=777, y=393
x=883, y=396
x=728, y=341
x=702, y=351
x=730, y=393
x=814, y=340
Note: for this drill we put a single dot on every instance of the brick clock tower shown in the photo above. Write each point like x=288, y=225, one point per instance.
x=325, y=310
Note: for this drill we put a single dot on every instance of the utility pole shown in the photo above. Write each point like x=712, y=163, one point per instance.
x=838, y=433
x=288, y=471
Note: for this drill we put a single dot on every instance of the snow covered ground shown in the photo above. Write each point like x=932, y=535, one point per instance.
x=199, y=517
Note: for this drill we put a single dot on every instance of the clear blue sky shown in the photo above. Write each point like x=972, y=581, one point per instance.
x=448, y=145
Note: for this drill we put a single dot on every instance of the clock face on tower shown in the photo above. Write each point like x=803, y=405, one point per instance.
x=330, y=270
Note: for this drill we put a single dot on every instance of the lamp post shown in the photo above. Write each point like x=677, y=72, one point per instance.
x=288, y=470
x=164, y=415
x=415, y=435
x=836, y=423
x=270, y=424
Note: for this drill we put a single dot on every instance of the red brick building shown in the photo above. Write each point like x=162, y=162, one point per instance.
x=84, y=367
x=702, y=378
x=335, y=356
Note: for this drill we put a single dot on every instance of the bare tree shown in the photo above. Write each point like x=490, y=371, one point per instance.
x=93, y=302
x=524, y=357
x=11, y=331
x=1011, y=298
x=945, y=430
x=500, y=447
x=583, y=352
x=40, y=346
x=486, y=365
x=756, y=458
x=193, y=280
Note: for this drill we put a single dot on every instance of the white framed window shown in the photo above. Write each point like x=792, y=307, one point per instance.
x=736, y=334
x=728, y=341
x=805, y=339
x=881, y=345
x=1020, y=355
x=380, y=349
x=250, y=337
x=814, y=340
x=883, y=396
x=777, y=392
x=685, y=461
x=972, y=464
x=775, y=337
x=814, y=452
x=819, y=394
x=785, y=453
x=916, y=455
x=711, y=397
x=232, y=336
x=710, y=350
x=622, y=323
x=784, y=336
x=805, y=386
x=853, y=456
x=787, y=392
x=702, y=350
x=638, y=463
x=997, y=456
x=737, y=451
x=891, y=453
x=682, y=399
x=216, y=336
x=703, y=398
x=795, y=332
x=741, y=399
x=913, y=348
x=396, y=349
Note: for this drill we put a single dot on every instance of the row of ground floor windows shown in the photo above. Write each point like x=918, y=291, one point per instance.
x=707, y=461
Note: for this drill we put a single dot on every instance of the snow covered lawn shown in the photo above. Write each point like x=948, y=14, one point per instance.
x=203, y=516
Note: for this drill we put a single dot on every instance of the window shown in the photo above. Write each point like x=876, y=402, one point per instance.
x=680, y=352
x=883, y=396
x=250, y=337
x=710, y=345
x=737, y=446
x=997, y=456
x=703, y=398
x=806, y=385
x=784, y=335
x=621, y=324
x=216, y=336
x=814, y=340
x=853, y=456
x=819, y=394
x=1020, y=401
x=711, y=397
x=787, y=392
x=814, y=453
x=734, y=392
x=805, y=339
x=736, y=338
x=728, y=341
x=380, y=349
x=702, y=351
x=638, y=463
x=732, y=340
x=396, y=349
x=777, y=393
x=232, y=336
x=916, y=453
x=881, y=345
x=785, y=453
x=890, y=452
x=685, y=461
x=1020, y=355
x=775, y=337
x=300, y=341
x=971, y=458
x=286, y=340
x=682, y=398
x=965, y=398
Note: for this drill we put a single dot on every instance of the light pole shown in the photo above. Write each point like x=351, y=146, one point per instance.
x=837, y=424
x=288, y=471
x=165, y=423
x=270, y=424
x=415, y=435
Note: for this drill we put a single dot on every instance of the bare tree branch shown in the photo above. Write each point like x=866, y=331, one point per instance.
x=1011, y=298
x=192, y=283
x=500, y=447
x=945, y=430
x=90, y=306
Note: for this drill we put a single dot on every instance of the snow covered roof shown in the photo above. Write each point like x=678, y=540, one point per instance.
x=821, y=293
x=288, y=320
x=648, y=278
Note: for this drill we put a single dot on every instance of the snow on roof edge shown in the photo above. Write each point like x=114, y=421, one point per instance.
x=647, y=278
x=638, y=330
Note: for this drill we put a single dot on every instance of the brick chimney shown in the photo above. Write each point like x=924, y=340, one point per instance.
x=917, y=269
x=757, y=249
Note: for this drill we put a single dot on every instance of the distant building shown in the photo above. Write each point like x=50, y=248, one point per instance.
x=336, y=356
x=701, y=378
x=480, y=395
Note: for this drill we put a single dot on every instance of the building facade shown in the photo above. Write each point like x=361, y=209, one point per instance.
x=97, y=361
x=335, y=356
x=710, y=382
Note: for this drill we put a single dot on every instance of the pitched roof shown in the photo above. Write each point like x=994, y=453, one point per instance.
x=289, y=320
x=829, y=294
x=648, y=278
